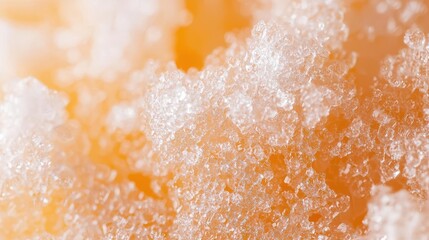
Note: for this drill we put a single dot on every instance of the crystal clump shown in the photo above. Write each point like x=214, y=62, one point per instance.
x=310, y=122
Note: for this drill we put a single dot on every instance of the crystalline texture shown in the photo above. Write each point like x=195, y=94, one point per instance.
x=312, y=122
x=396, y=216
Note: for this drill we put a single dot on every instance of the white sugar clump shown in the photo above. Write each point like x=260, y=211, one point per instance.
x=287, y=132
x=396, y=216
x=208, y=126
x=409, y=68
x=406, y=75
x=87, y=49
x=172, y=104
x=49, y=189
x=29, y=111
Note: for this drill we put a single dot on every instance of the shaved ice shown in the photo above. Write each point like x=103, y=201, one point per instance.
x=261, y=119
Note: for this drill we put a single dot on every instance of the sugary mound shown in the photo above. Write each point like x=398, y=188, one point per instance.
x=396, y=215
x=311, y=122
x=50, y=189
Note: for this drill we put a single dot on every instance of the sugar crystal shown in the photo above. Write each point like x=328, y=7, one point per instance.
x=308, y=122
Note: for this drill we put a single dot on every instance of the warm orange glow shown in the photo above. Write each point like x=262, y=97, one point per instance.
x=130, y=119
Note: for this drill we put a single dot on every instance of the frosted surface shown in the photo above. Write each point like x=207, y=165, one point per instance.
x=312, y=123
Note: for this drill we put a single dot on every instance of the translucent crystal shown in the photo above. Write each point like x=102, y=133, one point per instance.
x=310, y=122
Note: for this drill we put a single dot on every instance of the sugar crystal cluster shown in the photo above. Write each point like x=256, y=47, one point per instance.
x=309, y=122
